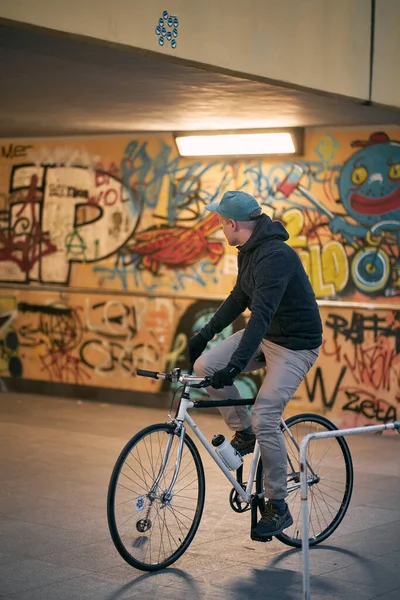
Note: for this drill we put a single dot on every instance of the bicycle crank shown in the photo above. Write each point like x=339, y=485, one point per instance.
x=237, y=504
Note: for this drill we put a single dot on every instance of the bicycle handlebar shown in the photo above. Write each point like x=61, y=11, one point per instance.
x=176, y=375
x=145, y=373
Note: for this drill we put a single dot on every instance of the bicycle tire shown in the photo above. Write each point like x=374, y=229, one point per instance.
x=325, y=515
x=130, y=497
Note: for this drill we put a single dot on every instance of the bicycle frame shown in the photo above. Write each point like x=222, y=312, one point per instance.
x=183, y=417
x=159, y=479
x=244, y=494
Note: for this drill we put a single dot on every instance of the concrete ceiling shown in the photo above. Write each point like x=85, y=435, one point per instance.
x=60, y=85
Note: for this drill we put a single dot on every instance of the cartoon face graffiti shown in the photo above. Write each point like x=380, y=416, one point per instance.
x=370, y=181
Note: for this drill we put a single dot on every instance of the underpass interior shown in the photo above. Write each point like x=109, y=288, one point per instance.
x=108, y=263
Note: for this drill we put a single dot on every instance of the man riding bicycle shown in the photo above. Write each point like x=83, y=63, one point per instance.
x=284, y=328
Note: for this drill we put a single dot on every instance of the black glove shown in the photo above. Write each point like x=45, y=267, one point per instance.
x=224, y=377
x=196, y=345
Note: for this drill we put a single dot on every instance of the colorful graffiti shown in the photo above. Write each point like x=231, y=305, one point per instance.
x=369, y=190
x=138, y=223
x=58, y=216
x=54, y=331
x=123, y=215
x=361, y=355
x=10, y=362
x=177, y=247
x=99, y=341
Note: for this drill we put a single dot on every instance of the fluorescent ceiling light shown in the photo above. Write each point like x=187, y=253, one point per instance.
x=237, y=144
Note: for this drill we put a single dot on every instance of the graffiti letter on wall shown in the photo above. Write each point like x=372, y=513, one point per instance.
x=293, y=220
x=335, y=265
x=64, y=189
x=319, y=379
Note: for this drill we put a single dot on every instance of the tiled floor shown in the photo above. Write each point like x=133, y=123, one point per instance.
x=56, y=458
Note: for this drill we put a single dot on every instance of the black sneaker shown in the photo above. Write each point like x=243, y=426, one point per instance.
x=272, y=522
x=243, y=443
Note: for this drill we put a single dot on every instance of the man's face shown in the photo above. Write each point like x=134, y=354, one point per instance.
x=229, y=227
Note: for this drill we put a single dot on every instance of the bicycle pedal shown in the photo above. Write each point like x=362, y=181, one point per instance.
x=258, y=538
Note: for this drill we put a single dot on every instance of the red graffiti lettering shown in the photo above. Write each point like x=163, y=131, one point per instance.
x=376, y=366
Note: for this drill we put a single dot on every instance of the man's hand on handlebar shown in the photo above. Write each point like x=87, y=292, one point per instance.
x=177, y=376
x=224, y=377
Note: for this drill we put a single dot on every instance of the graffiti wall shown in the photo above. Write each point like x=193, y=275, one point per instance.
x=356, y=380
x=108, y=261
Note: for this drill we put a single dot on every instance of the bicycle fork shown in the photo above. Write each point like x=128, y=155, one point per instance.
x=294, y=476
x=166, y=496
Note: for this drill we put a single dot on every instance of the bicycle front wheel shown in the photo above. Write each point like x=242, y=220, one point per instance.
x=150, y=528
x=329, y=479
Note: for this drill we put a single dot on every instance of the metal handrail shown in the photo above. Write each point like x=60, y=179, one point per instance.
x=303, y=486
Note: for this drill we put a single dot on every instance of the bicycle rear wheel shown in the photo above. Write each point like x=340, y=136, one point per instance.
x=329, y=479
x=150, y=530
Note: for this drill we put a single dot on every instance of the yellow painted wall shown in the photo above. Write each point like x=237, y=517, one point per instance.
x=108, y=261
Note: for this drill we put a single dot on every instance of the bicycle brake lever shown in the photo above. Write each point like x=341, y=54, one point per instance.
x=204, y=383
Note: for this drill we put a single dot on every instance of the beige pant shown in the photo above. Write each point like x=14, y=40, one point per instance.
x=285, y=370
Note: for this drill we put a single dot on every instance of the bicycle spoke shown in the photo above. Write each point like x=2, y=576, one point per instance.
x=126, y=488
x=186, y=486
x=149, y=530
x=140, y=464
x=178, y=521
x=329, y=479
x=130, y=478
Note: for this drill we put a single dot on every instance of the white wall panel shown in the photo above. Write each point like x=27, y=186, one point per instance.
x=386, y=73
x=317, y=44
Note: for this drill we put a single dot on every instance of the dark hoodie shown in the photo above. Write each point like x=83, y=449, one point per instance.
x=273, y=284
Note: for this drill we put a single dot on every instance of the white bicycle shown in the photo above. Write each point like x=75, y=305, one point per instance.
x=157, y=487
